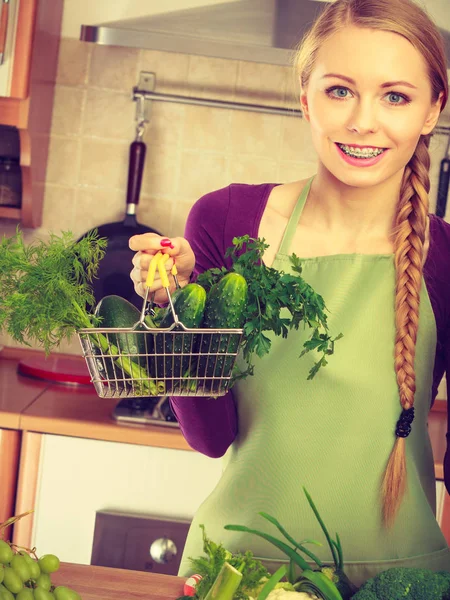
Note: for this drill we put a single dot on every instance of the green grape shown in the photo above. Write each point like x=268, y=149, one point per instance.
x=6, y=553
x=2, y=573
x=25, y=594
x=49, y=563
x=44, y=581
x=21, y=567
x=41, y=594
x=5, y=594
x=35, y=569
x=12, y=581
x=64, y=593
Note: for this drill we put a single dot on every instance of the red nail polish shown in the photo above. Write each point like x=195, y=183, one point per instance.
x=166, y=243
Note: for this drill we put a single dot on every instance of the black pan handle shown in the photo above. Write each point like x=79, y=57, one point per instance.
x=444, y=178
x=135, y=171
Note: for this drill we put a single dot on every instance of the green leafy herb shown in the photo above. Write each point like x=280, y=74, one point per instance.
x=254, y=574
x=270, y=291
x=45, y=286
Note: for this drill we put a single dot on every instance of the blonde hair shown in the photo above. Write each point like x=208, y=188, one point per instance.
x=407, y=19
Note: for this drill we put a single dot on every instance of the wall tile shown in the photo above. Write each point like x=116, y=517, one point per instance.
x=109, y=114
x=59, y=209
x=257, y=134
x=67, y=109
x=207, y=128
x=249, y=169
x=114, y=67
x=213, y=78
x=97, y=206
x=202, y=173
x=156, y=212
x=259, y=83
x=179, y=217
x=161, y=171
x=63, y=161
x=104, y=163
x=170, y=68
x=73, y=62
x=165, y=124
x=296, y=143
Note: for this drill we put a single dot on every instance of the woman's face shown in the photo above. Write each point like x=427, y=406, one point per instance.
x=369, y=96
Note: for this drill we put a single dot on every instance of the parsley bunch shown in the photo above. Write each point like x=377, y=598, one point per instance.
x=270, y=291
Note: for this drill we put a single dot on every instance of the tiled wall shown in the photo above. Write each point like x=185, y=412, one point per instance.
x=190, y=150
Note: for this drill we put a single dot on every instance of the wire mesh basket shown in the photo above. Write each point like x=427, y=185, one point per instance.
x=141, y=361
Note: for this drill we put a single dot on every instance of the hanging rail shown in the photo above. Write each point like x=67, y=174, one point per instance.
x=146, y=86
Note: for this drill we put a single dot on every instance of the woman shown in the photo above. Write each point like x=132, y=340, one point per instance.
x=373, y=82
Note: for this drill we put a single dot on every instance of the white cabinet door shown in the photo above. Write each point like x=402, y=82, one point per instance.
x=8, y=58
x=77, y=477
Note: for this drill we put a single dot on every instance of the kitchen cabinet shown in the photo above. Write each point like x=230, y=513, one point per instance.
x=26, y=96
x=9, y=463
x=67, y=479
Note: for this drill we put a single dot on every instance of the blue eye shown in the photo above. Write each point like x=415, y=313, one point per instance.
x=341, y=92
x=396, y=98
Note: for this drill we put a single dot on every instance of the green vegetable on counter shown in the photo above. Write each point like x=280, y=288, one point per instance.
x=406, y=583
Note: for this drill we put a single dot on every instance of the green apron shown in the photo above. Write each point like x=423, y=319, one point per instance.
x=332, y=434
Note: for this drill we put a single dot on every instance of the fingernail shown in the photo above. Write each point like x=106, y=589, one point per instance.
x=166, y=243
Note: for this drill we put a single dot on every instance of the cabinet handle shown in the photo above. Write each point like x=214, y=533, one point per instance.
x=3, y=28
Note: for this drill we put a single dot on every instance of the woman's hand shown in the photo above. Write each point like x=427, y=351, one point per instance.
x=146, y=246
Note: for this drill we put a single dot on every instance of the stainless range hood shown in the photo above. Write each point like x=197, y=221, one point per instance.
x=264, y=31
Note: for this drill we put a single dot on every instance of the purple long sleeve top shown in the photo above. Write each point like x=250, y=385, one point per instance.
x=210, y=426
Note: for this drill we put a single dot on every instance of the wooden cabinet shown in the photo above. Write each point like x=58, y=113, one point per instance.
x=9, y=465
x=29, y=105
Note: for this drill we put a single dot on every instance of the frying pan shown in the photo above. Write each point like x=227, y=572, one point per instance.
x=444, y=178
x=113, y=275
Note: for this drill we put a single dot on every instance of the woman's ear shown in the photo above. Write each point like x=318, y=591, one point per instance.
x=304, y=104
x=433, y=115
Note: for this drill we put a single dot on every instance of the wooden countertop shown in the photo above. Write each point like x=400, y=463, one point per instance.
x=103, y=583
x=30, y=404
x=33, y=405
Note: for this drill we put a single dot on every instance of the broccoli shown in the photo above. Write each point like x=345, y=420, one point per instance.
x=406, y=582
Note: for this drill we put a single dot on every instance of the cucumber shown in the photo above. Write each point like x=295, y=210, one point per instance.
x=225, y=309
x=118, y=312
x=189, y=304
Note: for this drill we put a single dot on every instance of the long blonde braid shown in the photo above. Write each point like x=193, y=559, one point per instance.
x=409, y=240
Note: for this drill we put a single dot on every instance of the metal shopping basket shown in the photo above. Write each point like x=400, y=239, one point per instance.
x=141, y=361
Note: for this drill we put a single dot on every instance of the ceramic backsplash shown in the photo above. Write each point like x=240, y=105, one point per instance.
x=190, y=149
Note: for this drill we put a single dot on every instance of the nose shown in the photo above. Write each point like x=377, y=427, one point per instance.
x=363, y=118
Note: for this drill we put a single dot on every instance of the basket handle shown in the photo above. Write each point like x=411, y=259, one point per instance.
x=158, y=261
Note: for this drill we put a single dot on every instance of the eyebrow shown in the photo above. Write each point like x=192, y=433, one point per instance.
x=383, y=85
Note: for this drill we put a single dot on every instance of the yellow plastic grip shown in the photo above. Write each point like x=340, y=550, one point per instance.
x=162, y=270
x=152, y=269
x=174, y=270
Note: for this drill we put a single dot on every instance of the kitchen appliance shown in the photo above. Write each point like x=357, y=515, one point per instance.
x=265, y=31
x=10, y=170
x=138, y=542
x=113, y=276
x=444, y=179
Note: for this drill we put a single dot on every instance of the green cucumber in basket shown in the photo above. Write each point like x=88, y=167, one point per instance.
x=116, y=311
x=189, y=304
x=225, y=309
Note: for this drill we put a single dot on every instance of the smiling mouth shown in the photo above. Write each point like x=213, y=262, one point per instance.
x=361, y=151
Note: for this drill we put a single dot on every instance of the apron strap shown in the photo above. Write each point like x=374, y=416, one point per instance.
x=294, y=218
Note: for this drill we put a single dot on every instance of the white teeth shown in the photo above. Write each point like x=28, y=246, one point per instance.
x=361, y=152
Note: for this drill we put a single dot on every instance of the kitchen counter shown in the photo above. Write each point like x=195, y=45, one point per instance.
x=102, y=583
x=29, y=404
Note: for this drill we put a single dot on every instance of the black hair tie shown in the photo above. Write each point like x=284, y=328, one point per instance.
x=403, y=428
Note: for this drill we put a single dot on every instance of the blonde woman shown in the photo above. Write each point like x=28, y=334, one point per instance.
x=373, y=83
